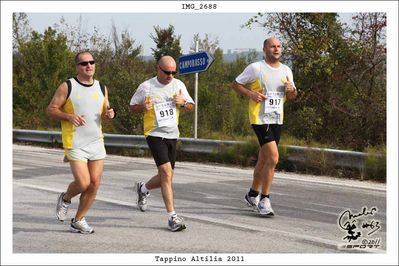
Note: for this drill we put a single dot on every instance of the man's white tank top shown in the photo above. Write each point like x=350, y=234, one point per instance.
x=86, y=100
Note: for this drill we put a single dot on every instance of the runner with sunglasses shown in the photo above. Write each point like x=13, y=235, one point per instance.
x=79, y=102
x=161, y=99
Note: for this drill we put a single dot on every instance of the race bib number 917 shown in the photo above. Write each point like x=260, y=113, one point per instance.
x=274, y=102
x=165, y=113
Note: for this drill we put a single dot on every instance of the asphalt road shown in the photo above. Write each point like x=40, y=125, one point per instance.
x=208, y=196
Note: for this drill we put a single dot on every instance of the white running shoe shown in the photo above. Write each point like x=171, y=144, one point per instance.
x=141, y=197
x=80, y=226
x=251, y=201
x=265, y=207
x=176, y=223
x=62, y=207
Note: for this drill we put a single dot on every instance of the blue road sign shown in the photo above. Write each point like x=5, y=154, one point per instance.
x=193, y=63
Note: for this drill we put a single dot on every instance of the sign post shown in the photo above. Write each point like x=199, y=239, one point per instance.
x=196, y=97
x=194, y=63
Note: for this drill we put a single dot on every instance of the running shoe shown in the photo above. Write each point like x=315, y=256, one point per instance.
x=141, y=197
x=80, y=226
x=265, y=207
x=62, y=208
x=176, y=223
x=251, y=201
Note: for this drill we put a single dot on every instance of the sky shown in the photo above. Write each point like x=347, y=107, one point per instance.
x=223, y=22
x=225, y=27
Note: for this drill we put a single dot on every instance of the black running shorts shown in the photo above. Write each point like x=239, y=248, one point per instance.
x=163, y=150
x=267, y=133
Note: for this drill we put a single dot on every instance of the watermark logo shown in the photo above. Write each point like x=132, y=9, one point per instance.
x=360, y=228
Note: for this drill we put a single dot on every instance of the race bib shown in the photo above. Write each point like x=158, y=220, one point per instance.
x=165, y=113
x=274, y=102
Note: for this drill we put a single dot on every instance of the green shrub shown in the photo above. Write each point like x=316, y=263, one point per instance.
x=375, y=165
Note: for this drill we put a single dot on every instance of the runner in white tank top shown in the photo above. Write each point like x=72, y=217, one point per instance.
x=81, y=104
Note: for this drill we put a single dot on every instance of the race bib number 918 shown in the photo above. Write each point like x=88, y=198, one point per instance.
x=165, y=113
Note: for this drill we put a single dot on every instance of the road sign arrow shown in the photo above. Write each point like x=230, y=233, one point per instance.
x=196, y=62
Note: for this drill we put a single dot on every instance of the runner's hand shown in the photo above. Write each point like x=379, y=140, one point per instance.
x=179, y=99
x=288, y=86
x=110, y=113
x=258, y=97
x=77, y=120
x=147, y=103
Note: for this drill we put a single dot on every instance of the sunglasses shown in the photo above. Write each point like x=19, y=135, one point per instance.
x=168, y=72
x=85, y=63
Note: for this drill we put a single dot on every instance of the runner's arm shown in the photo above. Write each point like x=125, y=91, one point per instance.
x=255, y=96
x=108, y=112
x=59, y=99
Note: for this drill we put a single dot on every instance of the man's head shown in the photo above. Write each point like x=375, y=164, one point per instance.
x=85, y=64
x=272, y=49
x=166, y=68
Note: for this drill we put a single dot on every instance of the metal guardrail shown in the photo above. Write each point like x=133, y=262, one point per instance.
x=346, y=159
x=123, y=141
x=295, y=154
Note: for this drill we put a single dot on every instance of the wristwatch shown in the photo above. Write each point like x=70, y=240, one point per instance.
x=184, y=105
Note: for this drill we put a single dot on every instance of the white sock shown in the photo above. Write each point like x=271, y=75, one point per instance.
x=144, y=189
x=171, y=214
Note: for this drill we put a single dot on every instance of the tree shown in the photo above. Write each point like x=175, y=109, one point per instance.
x=365, y=74
x=209, y=43
x=39, y=67
x=167, y=43
x=80, y=40
x=121, y=70
x=20, y=29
